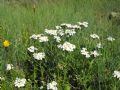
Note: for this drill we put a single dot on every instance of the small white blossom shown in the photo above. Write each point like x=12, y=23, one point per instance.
x=58, y=27
x=94, y=36
x=51, y=32
x=99, y=45
x=95, y=53
x=110, y=38
x=66, y=25
x=20, y=82
x=9, y=67
x=60, y=32
x=85, y=52
x=34, y=37
x=52, y=86
x=57, y=38
x=39, y=56
x=2, y=78
x=85, y=24
x=43, y=39
x=32, y=49
x=70, y=32
x=117, y=74
x=67, y=46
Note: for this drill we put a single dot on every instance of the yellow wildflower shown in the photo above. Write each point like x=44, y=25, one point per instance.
x=6, y=43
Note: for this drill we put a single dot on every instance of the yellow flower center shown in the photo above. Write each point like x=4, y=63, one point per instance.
x=6, y=43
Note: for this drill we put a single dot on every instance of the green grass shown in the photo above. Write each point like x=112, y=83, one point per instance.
x=18, y=23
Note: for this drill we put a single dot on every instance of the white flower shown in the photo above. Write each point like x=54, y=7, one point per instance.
x=51, y=32
x=52, y=86
x=20, y=82
x=60, y=32
x=94, y=36
x=2, y=78
x=57, y=38
x=95, y=53
x=117, y=74
x=85, y=24
x=70, y=32
x=39, y=56
x=32, y=49
x=75, y=27
x=33, y=36
x=43, y=39
x=67, y=46
x=66, y=25
x=110, y=38
x=99, y=45
x=58, y=27
x=85, y=52
x=9, y=67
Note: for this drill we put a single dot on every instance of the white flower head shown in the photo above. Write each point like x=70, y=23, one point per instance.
x=39, y=56
x=58, y=27
x=94, y=36
x=20, y=82
x=57, y=38
x=34, y=37
x=110, y=38
x=32, y=49
x=84, y=24
x=43, y=39
x=67, y=46
x=52, y=86
x=70, y=32
x=51, y=32
x=99, y=45
x=9, y=67
x=85, y=52
x=95, y=53
x=117, y=74
x=60, y=32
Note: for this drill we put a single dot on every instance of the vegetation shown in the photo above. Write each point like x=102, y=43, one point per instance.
x=20, y=19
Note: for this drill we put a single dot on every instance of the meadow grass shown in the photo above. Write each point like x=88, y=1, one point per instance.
x=18, y=23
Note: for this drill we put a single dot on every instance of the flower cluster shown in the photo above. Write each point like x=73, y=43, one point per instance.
x=94, y=36
x=88, y=54
x=52, y=86
x=117, y=74
x=32, y=49
x=20, y=82
x=39, y=56
x=9, y=67
x=67, y=46
x=110, y=38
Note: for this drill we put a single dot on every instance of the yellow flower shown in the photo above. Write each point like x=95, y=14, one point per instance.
x=6, y=43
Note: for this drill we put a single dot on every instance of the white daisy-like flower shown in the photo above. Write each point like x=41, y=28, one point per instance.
x=58, y=27
x=117, y=74
x=43, y=39
x=94, y=36
x=20, y=82
x=39, y=56
x=57, y=38
x=99, y=45
x=110, y=38
x=67, y=46
x=95, y=53
x=9, y=67
x=52, y=86
x=51, y=32
x=85, y=52
x=70, y=32
x=32, y=49
x=85, y=24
